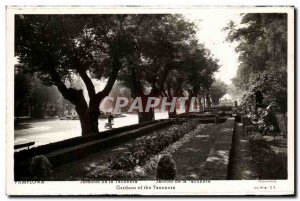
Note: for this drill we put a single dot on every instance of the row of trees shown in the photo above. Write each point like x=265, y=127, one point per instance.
x=152, y=55
x=262, y=46
x=33, y=98
x=217, y=90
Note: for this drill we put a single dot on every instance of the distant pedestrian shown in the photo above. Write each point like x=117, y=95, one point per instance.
x=110, y=119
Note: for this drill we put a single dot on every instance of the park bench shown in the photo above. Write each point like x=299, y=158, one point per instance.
x=20, y=146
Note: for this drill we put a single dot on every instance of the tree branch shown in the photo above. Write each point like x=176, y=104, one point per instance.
x=111, y=80
x=67, y=93
x=88, y=83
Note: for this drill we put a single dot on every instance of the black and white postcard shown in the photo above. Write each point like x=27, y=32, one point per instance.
x=150, y=100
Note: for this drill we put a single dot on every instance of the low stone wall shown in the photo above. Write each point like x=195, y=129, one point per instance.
x=44, y=149
x=217, y=162
x=204, y=118
x=77, y=151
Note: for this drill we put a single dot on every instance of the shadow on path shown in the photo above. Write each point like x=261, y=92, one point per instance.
x=191, y=157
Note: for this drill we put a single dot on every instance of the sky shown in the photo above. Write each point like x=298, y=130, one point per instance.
x=210, y=24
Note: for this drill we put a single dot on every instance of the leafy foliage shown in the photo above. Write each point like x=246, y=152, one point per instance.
x=40, y=167
x=32, y=97
x=55, y=48
x=166, y=168
x=262, y=45
x=69, y=44
x=273, y=86
x=166, y=57
x=22, y=89
x=217, y=90
x=270, y=165
x=262, y=39
x=148, y=146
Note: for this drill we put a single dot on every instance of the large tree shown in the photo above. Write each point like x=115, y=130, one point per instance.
x=199, y=69
x=160, y=43
x=262, y=46
x=217, y=90
x=273, y=87
x=21, y=94
x=56, y=48
x=262, y=39
x=32, y=98
x=193, y=75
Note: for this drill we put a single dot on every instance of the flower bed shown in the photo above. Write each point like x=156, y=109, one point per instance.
x=270, y=165
x=129, y=164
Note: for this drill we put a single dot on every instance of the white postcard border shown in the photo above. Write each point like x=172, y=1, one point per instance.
x=215, y=187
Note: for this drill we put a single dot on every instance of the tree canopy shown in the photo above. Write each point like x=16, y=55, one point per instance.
x=217, y=90
x=142, y=51
x=56, y=48
x=262, y=48
x=262, y=45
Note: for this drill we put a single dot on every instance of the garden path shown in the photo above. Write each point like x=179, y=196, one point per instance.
x=206, y=155
x=190, y=158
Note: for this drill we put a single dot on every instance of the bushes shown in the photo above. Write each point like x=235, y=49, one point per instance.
x=132, y=164
x=270, y=165
x=145, y=147
x=40, y=167
x=279, y=166
x=125, y=162
x=257, y=143
x=166, y=168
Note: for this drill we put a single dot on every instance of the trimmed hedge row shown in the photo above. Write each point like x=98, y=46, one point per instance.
x=128, y=164
x=147, y=146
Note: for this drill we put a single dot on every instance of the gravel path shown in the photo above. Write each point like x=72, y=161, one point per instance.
x=206, y=155
x=191, y=157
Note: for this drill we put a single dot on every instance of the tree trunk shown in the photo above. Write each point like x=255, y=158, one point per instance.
x=208, y=101
x=200, y=104
x=87, y=117
x=85, y=122
x=94, y=114
x=145, y=116
x=44, y=109
x=187, y=105
x=172, y=114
